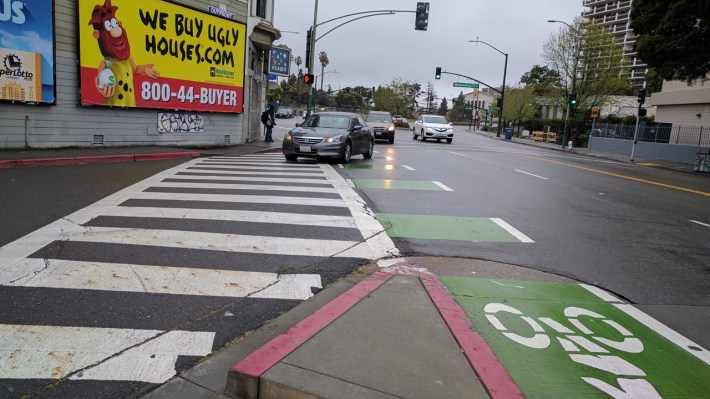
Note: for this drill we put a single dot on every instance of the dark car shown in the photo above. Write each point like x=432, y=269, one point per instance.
x=329, y=135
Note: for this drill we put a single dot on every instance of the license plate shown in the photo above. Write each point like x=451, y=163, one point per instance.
x=305, y=148
x=378, y=133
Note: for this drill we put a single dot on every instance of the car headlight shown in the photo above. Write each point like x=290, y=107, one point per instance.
x=391, y=128
x=288, y=137
x=334, y=139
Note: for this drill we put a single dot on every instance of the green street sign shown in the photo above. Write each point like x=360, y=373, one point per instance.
x=469, y=85
x=490, y=110
x=469, y=108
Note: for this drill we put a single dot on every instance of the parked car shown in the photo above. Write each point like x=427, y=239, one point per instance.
x=329, y=135
x=400, y=121
x=433, y=127
x=381, y=123
x=284, y=112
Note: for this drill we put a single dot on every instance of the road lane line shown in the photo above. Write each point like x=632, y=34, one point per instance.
x=443, y=186
x=512, y=230
x=408, y=167
x=700, y=223
x=214, y=172
x=187, y=178
x=232, y=215
x=377, y=243
x=232, y=186
x=530, y=174
x=219, y=242
x=119, y=277
x=456, y=153
x=688, y=190
x=655, y=325
x=209, y=166
x=240, y=198
x=55, y=352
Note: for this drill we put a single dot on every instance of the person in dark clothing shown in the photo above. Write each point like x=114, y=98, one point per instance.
x=268, y=119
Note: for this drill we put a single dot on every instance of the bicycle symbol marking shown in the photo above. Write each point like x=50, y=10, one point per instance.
x=583, y=347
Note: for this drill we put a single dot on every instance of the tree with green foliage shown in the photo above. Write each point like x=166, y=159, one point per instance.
x=519, y=105
x=397, y=96
x=544, y=80
x=458, y=110
x=673, y=37
x=590, y=64
x=323, y=59
x=443, y=107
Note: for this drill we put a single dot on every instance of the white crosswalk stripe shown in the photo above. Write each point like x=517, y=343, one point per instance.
x=147, y=354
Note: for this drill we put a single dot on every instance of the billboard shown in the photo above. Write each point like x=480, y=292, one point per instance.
x=27, y=51
x=279, y=61
x=156, y=54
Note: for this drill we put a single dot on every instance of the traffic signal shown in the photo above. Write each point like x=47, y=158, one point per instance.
x=499, y=102
x=308, y=78
x=308, y=48
x=573, y=99
x=642, y=95
x=642, y=112
x=422, y=16
x=437, y=74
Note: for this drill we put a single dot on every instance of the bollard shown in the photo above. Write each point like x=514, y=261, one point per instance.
x=569, y=145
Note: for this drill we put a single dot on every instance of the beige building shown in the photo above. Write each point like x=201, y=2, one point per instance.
x=683, y=104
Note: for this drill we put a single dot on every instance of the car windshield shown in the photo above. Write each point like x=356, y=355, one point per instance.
x=379, y=118
x=435, y=119
x=327, y=121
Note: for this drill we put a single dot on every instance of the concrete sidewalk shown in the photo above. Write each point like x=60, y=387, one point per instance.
x=392, y=331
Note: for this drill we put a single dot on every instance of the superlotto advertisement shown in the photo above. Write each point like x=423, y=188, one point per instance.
x=27, y=51
x=156, y=54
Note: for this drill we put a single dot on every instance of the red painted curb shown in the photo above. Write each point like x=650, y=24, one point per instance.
x=165, y=155
x=19, y=163
x=480, y=356
x=104, y=159
x=260, y=361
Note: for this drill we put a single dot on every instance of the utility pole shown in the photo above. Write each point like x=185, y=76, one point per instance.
x=312, y=60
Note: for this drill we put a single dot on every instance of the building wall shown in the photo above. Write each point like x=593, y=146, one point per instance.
x=683, y=104
x=68, y=124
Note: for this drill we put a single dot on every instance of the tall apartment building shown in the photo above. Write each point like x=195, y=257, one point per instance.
x=614, y=16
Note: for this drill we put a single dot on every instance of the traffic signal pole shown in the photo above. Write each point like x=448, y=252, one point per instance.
x=421, y=24
x=312, y=60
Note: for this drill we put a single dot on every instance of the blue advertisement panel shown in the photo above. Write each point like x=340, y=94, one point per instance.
x=280, y=61
x=27, y=51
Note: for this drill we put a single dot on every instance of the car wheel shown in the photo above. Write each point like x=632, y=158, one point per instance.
x=449, y=140
x=347, y=152
x=423, y=137
x=392, y=140
x=291, y=157
x=370, y=149
x=414, y=134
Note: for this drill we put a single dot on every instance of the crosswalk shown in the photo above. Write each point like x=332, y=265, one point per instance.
x=172, y=268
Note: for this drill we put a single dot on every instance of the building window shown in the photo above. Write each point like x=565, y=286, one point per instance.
x=261, y=9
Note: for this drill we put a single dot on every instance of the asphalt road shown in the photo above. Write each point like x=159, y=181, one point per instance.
x=626, y=228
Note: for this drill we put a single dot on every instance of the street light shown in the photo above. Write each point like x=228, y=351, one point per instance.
x=572, y=93
x=502, y=91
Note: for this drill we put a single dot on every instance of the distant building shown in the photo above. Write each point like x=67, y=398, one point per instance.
x=614, y=17
x=480, y=100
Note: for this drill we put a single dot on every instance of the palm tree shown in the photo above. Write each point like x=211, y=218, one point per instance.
x=323, y=58
x=298, y=62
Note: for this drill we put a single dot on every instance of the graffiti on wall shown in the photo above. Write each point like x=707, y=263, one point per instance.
x=180, y=123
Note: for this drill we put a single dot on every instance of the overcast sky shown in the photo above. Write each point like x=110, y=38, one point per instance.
x=371, y=51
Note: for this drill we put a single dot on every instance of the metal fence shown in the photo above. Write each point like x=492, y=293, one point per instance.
x=697, y=136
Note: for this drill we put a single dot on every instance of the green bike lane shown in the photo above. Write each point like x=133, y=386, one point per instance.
x=567, y=340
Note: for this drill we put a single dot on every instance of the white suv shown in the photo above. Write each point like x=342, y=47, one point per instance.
x=433, y=127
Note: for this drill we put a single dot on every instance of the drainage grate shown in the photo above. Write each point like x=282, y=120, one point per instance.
x=98, y=139
x=227, y=139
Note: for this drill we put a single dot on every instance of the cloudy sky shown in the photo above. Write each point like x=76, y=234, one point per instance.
x=371, y=51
